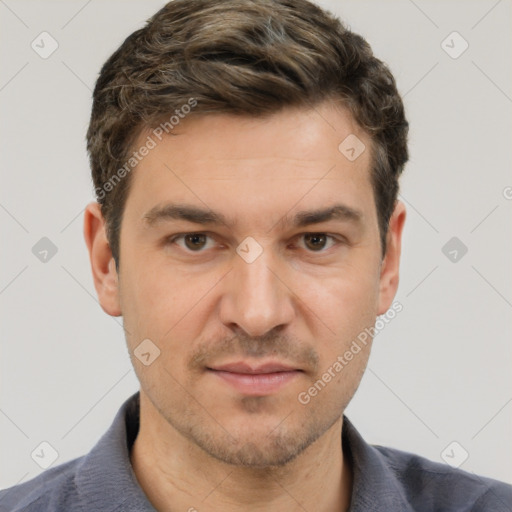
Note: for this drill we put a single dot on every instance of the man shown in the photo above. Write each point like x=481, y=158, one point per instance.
x=246, y=156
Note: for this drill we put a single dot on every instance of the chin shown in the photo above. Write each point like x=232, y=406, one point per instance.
x=257, y=444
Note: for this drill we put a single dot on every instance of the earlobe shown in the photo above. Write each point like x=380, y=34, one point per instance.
x=390, y=269
x=102, y=263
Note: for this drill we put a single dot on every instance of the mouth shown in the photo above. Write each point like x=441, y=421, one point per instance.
x=252, y=380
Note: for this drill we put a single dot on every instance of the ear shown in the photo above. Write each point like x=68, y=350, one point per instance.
x=102, y=263
x=389, y=275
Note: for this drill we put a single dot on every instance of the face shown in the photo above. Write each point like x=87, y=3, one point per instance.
x=250, y=257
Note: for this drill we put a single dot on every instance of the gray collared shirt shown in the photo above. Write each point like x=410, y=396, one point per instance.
x=384, y=479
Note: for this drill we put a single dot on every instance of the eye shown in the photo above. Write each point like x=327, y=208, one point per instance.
x=318, y=242
x=200, y=242
x=194, y=242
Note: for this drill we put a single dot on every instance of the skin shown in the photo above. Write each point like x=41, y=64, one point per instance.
x=204, y=445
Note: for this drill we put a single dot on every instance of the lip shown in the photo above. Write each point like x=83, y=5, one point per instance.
x=245, y=368
x=261, y=380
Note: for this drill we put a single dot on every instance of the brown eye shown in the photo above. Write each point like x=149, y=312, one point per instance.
x=318, y=242
x=198, y=243
x=195, y=241
x=315, y=241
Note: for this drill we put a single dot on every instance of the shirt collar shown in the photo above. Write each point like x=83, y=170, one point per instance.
x=375, y=486
x=105, y=476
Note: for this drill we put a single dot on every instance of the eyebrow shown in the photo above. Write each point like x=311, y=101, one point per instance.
x=198, y=215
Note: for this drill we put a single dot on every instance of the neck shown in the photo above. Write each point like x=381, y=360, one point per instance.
x=175, y=474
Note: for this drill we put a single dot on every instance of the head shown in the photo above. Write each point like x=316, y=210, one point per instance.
x=269, y=130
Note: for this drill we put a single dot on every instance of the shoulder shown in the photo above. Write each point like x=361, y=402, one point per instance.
x=437, y=486
x=51, y=491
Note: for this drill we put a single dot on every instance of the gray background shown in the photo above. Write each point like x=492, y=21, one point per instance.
x=439, y=372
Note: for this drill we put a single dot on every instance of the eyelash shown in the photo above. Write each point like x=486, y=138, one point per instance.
x=181, y=236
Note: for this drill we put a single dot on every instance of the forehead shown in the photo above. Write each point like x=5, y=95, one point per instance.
x=295, y=155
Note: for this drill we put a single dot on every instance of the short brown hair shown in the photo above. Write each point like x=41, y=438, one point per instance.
x=244, y=57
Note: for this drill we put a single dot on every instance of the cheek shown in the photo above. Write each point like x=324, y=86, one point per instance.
x=343, y=302
x=164, y=304
x=343, y=311
x=156, y=308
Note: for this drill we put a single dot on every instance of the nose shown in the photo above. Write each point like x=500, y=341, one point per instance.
x=256, y=297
